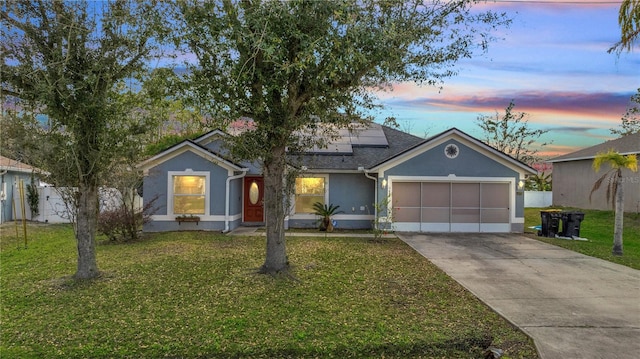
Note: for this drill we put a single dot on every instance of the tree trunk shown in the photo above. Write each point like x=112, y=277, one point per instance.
x=87, y=219
x=276, y=257
x=619, y=216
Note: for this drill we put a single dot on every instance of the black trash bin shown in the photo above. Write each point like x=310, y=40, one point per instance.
x=550, y=223
x=572, y=228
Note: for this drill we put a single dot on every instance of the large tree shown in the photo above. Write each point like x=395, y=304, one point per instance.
x=294, y=67
x=615, y=187
x=511, y=134
x=629, y=21
x=630, y=122
x=64, y=59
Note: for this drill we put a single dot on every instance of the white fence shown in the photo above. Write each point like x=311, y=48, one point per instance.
x=52, y=209
x=538, y=199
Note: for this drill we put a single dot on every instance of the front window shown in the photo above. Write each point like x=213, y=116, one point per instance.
x=309, y=190
x=189, y=194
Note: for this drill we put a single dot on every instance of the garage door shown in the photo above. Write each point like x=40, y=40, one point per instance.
x=451, y=206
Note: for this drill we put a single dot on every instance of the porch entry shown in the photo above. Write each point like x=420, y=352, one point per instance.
x=253, y=202
x=452, y=206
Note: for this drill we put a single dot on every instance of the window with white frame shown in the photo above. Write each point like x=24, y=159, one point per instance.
x=188, y=193
x=308, y=191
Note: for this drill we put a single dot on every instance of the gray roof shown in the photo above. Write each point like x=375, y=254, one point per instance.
x=16, y=166
x=363, y=152
x=361, y=156
x=625, y=145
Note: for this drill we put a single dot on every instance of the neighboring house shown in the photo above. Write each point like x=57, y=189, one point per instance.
x=449, y=182
x=573, y=177
x=11, y=173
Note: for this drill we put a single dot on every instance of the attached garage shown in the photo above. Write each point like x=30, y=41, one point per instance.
x=447, y=206
x=452, y=182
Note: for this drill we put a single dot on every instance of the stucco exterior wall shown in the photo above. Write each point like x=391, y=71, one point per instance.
x=354, y=193
x=156, y=185
x=11, y=182
x=573, y=181
x=468, y=163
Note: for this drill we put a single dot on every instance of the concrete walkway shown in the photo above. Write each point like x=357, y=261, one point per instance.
x=572, y=305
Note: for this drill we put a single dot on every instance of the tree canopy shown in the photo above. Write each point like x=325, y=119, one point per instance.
x=511, y=134
x=630, y=122
x=294, y=66
x=629, y=21
x=67, y=61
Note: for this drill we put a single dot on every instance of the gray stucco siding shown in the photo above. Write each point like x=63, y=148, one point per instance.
x=156, y=183
x=468, y=163
x=235, y=196
x=340, y=223
x=573, y=181
x=352, y=192
x=12, y=180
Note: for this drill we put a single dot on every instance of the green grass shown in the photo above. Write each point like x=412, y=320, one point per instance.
x=196, y=295
x=597, y=226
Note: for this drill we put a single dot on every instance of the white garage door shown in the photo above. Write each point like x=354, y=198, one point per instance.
x=451, y=206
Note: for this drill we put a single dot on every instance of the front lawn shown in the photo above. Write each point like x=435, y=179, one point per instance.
x=196, y=295
x=597, y=227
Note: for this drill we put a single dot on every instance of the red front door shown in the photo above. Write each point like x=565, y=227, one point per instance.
x=253, y=199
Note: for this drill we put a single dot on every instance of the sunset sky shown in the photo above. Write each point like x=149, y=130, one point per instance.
x=552, y=62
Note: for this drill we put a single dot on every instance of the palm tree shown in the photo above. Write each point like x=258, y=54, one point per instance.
x=614, y=188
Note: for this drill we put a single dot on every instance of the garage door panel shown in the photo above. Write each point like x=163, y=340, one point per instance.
x=465, y=195
x=435, y=215
x=406, y=214
x=465, y=215
x=406, y=194
x=452, y=206
x=495, y=195
x=436, y=194
x=494, y=215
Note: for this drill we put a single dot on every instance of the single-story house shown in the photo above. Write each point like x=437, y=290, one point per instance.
x=451, y=182
x=11, y=173
x=573, y=176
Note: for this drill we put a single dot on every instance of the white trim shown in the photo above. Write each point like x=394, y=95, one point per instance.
x=207, y=190
x=435, y=227
x=227, y=200
x=182, y=148
x=209, y=137
x=215, y=218
x=587, y=157
x=326, y=193
x=495, y=227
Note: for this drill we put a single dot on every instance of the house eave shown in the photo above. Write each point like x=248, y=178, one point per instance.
x=182, y=148
x=582, y=158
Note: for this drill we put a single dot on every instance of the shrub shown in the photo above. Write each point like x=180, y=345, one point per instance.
x=123, y=223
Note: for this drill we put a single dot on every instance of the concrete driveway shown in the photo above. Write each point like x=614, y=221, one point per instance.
x=572, y=305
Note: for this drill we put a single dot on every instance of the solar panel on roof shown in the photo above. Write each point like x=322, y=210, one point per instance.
x=370, y=136
x=357, y=135
x=334, y=148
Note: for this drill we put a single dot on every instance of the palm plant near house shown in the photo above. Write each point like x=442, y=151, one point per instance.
x=539, y=182
x=614, y=188
x=325, y=212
